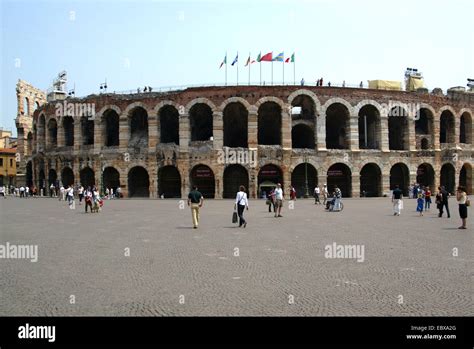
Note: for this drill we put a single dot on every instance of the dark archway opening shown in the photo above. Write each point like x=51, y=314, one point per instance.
x=234, y=177
x=398, y=129
x=235, y=125
x=52, y=133
x=87, y=177
x=203, y=177
x=400, y=175
x=138, y=182
x=306, y=108
x=111, y=178
x=303, y=177
x=200, y=117
x=448, y=178
x=340, y=175
x=67, y=177
x=465, y=131
x=169, y=182
x=68, y=126
x=41, y=181
x=369, y=127
x=52, y=178
x=87, y=129
x=371, y=181
x=268, y=177
x=29, y=174
x=465, y=178
x=138, y=128
x=169, y=124
x=269, y=124
x=112, y=128
x=425, y=144
x=446, y=134
x=424, y=122
x=337, y=127
x=302, y=136
x=425, y=176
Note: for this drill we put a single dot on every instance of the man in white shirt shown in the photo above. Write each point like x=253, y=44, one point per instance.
x=27, y=191
x=316, y=195
x=241, y=202
x=278, y=200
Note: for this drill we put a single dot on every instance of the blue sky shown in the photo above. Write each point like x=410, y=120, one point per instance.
x=172, y=43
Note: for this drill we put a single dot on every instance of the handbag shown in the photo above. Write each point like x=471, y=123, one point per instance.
x=468, y=202
x=234, y=216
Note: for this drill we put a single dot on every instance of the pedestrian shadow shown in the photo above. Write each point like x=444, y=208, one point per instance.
x=184, y=227
x=451, y=229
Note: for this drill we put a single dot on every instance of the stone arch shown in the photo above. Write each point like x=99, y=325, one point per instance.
x=234, y=175
x=310, y=94
x=338, y=100
x=67, y=176
x=447, y=126
x=138, y=125
x=465, y=177
x=201, y=100
x=371, y=180
x=235, y=120
x=370, y=118
x=273, y=99
x=111, y=178
x=201, y=122
x=465, y=127
x=87, y=177
x=371, y=102
x=425, y=175
x=110, y=127
x=304, y=178
x=138, y=182
x=268, y=176
x=398, y=128
x=203, y=177
x=168, y=115
x=68, y=130
x=169, y=182
x=337, y=126
x=400, y=175
x=269, y=116
x=52, y=132
x=447, y=177
x=241, y=100
x=340, y=174
x=108, y=107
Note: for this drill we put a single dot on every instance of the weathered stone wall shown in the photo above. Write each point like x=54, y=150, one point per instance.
x=188, y=154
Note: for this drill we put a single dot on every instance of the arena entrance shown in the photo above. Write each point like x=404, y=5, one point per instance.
x=29, y=174
x=169, y=182
x=425, y=176
x=400, y=175
x=67, y=177
x=111, y=178
x=138, y=183
x=203, y=177
x=235, y=118
x=465, y=178
x=234, y=177
x=87, y=177
x=370, y=181
x=340, y=175
x=448, y=178
x=169, y=124
x=268, y=177
x=269, y=124
x=52, y=177
x=303, y=174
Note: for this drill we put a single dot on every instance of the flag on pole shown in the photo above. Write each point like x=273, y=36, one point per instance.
x=223, y=62
x=250, y=61
x=279, y=58
x=287, y=60
x=259, y=58
x=235, y=59
x=292, y=58
x=267, y=57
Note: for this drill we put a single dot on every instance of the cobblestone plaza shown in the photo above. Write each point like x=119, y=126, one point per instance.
x=142, y=257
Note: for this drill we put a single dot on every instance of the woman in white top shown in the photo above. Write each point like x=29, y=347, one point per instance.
x=241, y=202
x=461, y=197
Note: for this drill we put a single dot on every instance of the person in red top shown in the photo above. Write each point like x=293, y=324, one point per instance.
x=292, y=193
x=427, y=198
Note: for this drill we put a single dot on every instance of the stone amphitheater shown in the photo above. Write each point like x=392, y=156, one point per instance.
x=158, y=144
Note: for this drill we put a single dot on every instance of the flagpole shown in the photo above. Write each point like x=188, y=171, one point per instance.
x=237, y=67
x=294, y=72
x=272, y=70
x=226, y=68
x=250, y=63
x=283, y=70
x=260, y=71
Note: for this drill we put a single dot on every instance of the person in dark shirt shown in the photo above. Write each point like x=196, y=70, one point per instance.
x=444, y=202
x=397, y=197
x=195, y=200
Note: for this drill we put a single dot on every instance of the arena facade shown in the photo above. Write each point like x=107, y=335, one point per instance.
x=158, y=144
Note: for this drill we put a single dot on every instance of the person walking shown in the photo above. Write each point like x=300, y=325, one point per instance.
x=420, y=201
x=51, y=190
x=88, y=199
x=271, y=200
x=70, y=196
x=241, y=203
x=325, y=194
x=316, y=195
x=80, y=192
x=427, y=198
x=444, y=202
x=397, y=197
x=463, y=202
x=195, y=200
x=292, y=193
x=278, y=200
